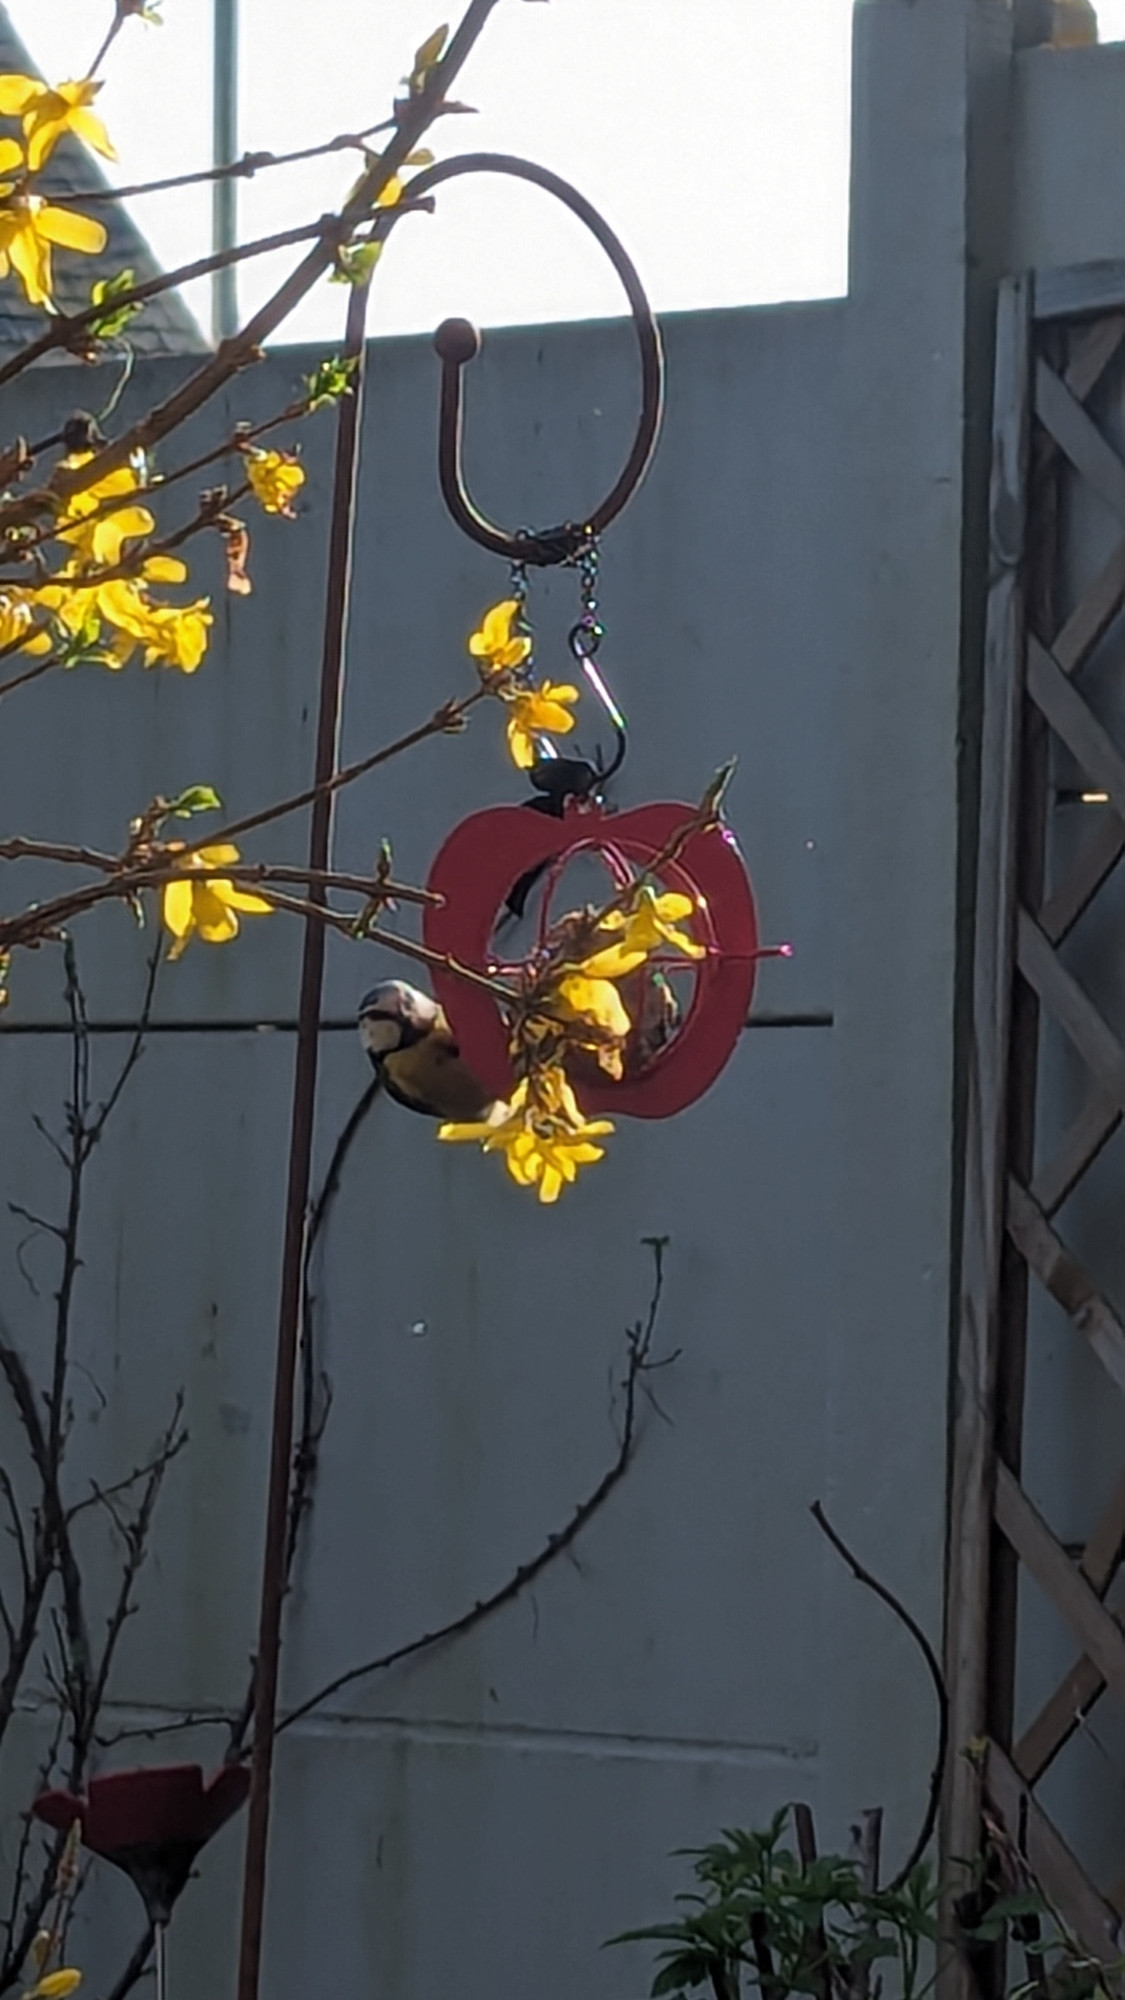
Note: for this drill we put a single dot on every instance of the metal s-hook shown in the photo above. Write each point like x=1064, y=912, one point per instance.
x=458, y=343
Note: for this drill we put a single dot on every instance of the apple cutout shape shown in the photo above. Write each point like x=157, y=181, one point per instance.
x=484, y=857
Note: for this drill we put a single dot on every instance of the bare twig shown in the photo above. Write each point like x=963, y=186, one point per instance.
x=65, y=330
x=122, y=11
x=412, y=120
x=27, y=1828
x=134, y=1531
x=316, y=1390
x=79, y=1678
x=867, y=1839
x=136, y=1967
x=133, y=1055
x=314, y=1413
x=244, y=168
x=45, y=919
x=638, y=1345
x=933, y=1667
x=30, y=674
x=820, y=1971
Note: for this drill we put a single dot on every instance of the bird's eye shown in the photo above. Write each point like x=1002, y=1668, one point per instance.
x=379, y=1035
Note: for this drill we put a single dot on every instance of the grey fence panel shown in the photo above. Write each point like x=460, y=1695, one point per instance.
x=714, y=641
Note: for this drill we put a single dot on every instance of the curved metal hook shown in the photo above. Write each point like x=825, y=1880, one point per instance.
x=457, y=342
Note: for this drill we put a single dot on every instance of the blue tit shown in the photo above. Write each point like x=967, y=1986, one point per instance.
x=413, y=1052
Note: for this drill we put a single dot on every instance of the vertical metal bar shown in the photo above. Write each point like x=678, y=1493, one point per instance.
x=224, y=149
x=160, y=1949
x=300, y=1156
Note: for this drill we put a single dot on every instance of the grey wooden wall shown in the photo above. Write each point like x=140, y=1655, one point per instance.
x=791, y=585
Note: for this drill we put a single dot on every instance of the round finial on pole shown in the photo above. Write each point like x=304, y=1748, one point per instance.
x=458, y=341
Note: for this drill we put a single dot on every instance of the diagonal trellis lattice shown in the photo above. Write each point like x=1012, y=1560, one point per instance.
x=1054, y=669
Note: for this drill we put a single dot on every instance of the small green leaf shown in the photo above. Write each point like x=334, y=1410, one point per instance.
x=355, y=263
x=426, y=58
x=674, y=1978
x=103, y=292
x=196, y=799
x=330, y=380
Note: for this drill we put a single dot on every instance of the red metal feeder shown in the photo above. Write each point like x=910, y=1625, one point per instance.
x=483, y=859
x=151, y=1823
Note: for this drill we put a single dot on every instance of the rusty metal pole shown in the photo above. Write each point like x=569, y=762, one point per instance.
x=300, y=1159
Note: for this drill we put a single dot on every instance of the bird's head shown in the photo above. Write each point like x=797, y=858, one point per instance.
x=395, y=1016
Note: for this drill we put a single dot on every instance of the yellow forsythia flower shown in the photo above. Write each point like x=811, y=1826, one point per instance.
x=595, y=1000
x=29, y=226
x=276, y=478
x=47, y=114
x=541, y=1133
x=18, y=631
x=493, y=645
x=653, y=924
x=55, y=1985
x=174, y=635
x=536, y=712
x=101, y=540
x=208, y=908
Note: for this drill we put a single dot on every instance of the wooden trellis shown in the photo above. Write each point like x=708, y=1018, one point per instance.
x=1060, y=365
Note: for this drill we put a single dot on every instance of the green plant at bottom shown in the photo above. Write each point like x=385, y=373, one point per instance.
x=762, y=1915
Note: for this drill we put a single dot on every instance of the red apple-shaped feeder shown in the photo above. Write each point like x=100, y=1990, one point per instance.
x=486, y=856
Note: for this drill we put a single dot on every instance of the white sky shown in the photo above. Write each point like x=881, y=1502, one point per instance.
x=713, y=134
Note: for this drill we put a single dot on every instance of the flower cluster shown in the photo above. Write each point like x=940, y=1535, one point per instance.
x=503, y=654
x=102, y=614
x=100, y=603
x=276, y=478
x=31, y=227
x=572, y=1010
x=541, y=1132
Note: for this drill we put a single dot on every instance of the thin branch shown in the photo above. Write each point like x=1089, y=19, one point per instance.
x=150, y=1732
x=212, y=506
x=136, y=1968
x=444, y=721
x=19, y=1866
x=79, y=1681
x=234, y=444
x=35, y=673
x=412, y=120
x=639, y=1340
x=244, y=168
x=38, y=1222
x=16, y=1528
x=135, y=1051
x=313, y=1420
x=42, y=1563
x=45, y=919
x=933, y=1667
x=121, y=13
x=66, y=329
x=135, y=1534
x=314, y=1415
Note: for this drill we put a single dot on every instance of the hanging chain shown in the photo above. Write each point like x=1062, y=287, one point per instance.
x=585, y=638
x=518, y=589
x=587, y=635
x=517, y=583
